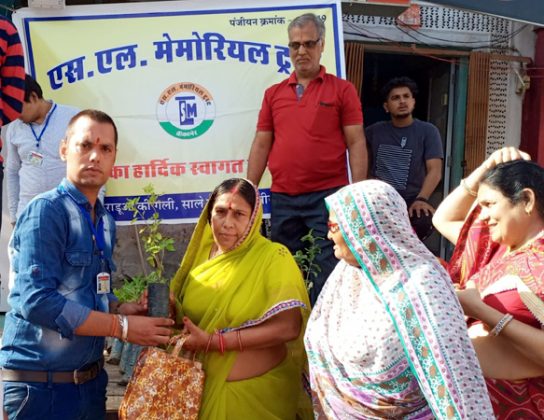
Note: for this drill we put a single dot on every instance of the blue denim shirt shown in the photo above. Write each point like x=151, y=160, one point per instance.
x=54, y=263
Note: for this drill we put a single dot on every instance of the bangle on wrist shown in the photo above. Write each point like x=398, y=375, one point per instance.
x=113, y=326
x=501, y=324
x=209, y=343
x=467, y=188
x=239, y=336
x=221, y=343
x=123, y=323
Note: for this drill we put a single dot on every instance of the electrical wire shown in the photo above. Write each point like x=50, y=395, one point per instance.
x=6, y=7
x=366, y=33
x=499, y=39
x=372, y=35
x=415, y=51
x=473, y=44
x=492, y=45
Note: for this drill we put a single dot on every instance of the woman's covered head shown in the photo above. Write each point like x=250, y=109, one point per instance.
x=511, y=196
x=372, y=219
x=230, y=208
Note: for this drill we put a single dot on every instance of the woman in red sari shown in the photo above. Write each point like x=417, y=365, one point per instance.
x=498, y=263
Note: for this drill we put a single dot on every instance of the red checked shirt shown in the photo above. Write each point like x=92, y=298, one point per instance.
x=309, y=150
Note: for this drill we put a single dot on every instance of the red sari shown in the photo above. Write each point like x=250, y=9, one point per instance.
x=512, y=283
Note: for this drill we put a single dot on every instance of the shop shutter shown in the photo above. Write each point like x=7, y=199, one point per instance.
x=477, y=110
x=354, y=52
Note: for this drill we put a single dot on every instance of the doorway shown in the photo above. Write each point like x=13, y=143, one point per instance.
x=434, y=78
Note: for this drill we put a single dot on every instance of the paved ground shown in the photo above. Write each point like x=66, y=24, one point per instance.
x=115, y=391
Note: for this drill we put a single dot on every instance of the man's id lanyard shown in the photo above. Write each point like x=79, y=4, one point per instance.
x=103, y=279
x=39, y=137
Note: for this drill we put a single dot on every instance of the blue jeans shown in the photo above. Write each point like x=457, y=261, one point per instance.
x=292, y=217
x=41, y=400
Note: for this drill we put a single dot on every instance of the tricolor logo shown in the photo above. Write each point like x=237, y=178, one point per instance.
x=185, y=110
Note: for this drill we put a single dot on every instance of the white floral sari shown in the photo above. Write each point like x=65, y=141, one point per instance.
x=388, y=339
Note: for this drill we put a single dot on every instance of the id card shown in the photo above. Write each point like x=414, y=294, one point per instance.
x=35, y=158
x=103, y=283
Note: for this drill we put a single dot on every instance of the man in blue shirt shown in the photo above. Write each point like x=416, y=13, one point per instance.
x=62, y=308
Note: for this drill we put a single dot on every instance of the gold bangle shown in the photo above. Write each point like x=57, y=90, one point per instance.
x=467, y=189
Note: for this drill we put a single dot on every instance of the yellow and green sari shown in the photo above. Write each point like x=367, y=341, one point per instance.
x=238, y=289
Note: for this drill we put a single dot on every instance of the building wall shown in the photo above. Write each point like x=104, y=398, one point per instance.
x=127, y=257
x=463, y=30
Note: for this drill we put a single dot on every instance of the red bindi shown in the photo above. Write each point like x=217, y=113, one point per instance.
x=234, y=190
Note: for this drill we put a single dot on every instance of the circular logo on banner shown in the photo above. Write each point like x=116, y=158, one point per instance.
x=185, y=110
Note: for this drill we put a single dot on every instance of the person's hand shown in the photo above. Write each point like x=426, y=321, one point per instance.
x=143, y=301
x=418, y=207
x=197, y=339
x=470, y=300
x=149, y=331
x=506, y=154
x=132, y=308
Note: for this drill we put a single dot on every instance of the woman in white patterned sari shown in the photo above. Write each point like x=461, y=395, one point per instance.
x=387, y=337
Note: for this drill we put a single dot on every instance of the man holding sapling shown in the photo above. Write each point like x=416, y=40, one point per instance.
x=62, y=307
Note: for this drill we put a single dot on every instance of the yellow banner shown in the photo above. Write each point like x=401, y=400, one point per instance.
x=183, y=85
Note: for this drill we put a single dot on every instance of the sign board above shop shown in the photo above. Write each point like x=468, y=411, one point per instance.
x=529, y=11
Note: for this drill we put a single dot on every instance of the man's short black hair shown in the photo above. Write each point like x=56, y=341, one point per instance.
x=398, y=82
x=94, y=115
x=31, y=86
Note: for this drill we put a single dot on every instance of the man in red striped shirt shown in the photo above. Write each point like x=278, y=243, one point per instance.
x=12, y=82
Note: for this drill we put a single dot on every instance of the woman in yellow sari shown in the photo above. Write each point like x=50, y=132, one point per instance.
x=244, y=306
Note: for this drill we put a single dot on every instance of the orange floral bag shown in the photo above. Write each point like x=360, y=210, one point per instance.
x=163, y=386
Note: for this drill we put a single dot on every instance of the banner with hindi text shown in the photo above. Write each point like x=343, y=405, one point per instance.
x=183, y=80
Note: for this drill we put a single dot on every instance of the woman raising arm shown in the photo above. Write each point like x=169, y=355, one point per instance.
x=499, y=262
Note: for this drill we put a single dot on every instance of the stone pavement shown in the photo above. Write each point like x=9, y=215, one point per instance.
x=115, y=391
